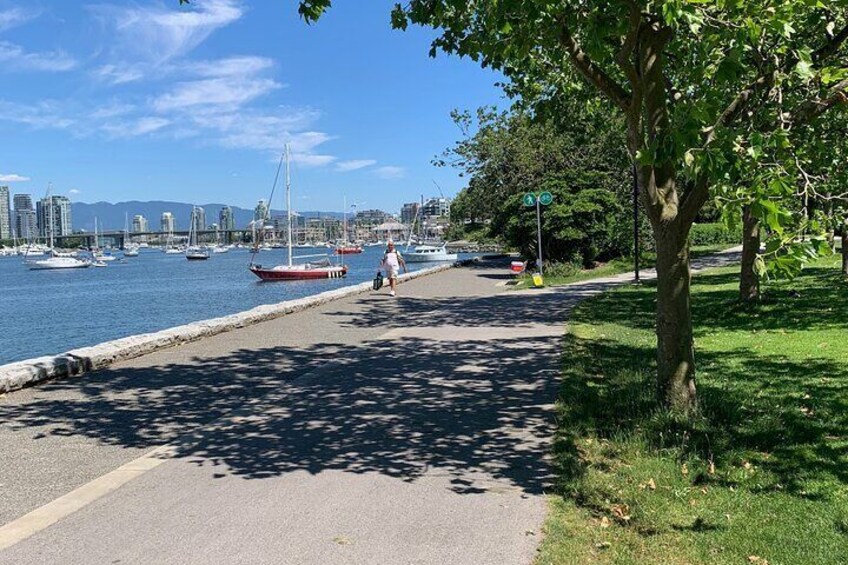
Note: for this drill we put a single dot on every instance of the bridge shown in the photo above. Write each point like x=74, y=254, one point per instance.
x=116, y=238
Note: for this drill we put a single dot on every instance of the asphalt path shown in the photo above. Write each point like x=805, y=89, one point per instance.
x=367, y=430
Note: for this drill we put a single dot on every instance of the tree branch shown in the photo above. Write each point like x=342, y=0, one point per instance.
x=739, y=104
x=811, y=109
x=831, y=47
x=591, y=72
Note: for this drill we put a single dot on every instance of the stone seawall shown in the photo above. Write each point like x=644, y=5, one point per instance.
x=20, y=374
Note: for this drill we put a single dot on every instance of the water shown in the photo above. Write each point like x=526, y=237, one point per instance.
x=49, y=312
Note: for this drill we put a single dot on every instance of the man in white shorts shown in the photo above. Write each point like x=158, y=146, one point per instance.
x=392, y=263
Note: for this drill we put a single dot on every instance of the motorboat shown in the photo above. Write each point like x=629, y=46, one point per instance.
x=195, y=253
x=426, y=253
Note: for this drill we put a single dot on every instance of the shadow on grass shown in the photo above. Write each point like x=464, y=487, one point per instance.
x=790, y=416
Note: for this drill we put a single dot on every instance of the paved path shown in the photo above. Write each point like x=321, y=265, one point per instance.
x=368, y=430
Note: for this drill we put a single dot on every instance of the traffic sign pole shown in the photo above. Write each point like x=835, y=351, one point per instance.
x=539, y=234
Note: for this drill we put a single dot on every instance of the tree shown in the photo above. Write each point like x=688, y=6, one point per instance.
x=693, y=80
x=582, y=162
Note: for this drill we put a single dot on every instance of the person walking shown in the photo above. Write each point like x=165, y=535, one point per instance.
x=392, y=263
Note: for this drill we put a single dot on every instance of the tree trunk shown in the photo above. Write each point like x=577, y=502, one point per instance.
x=675, y=348
x=845, y=250
x=749, y=281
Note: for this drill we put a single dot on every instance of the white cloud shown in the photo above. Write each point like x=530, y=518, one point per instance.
x=390, y=172
x=73, y=191
x=13, y=177
x=157, y=34
x=354, y=165
x=229, y=92
x=15, y=17
x=135, y=128
x=15, y=58
x=45, y=114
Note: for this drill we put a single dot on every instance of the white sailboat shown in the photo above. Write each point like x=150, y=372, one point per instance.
x=97, y=253
x=194, y=252
x=50, y=263
x=130, y=248
x=426, y=253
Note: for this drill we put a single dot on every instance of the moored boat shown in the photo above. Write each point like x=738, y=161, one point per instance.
x=425, y=253
x=313, y=270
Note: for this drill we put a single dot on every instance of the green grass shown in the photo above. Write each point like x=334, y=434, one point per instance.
x=761, y=475
x=562, y=274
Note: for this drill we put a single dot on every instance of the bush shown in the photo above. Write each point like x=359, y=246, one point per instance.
x=714, y=234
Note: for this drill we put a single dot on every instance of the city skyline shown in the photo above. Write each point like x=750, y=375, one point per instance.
x=195, y=102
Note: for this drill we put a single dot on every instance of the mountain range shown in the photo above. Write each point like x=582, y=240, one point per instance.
x=111, y=216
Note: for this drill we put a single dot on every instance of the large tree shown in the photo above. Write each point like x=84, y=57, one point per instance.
x=694, y=80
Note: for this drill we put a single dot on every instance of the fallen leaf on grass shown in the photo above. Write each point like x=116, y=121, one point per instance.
x=605, y=523
x=621, y=511
x=603, y=545
x=684, y=470
x=649, y=485
x=757, y=559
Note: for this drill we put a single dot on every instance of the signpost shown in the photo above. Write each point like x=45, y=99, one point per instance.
x=544, y=199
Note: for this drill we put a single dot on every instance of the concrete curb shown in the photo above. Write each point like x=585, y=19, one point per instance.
x=20, y=374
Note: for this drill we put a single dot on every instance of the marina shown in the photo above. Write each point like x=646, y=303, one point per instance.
x=48, y=312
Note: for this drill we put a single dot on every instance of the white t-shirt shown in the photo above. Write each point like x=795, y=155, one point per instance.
x=391, y=261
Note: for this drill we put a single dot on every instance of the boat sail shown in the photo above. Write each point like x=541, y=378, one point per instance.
x=291, y=271
x=130, y=248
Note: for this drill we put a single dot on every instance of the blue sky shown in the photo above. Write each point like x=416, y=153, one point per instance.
x=144, y=100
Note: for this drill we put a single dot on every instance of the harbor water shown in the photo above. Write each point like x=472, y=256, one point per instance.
x=49, y=312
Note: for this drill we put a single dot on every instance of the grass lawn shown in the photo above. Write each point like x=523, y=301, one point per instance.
x=761, y=477
x=560, y=277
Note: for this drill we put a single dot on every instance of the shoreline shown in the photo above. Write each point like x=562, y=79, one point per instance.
x=28, y=372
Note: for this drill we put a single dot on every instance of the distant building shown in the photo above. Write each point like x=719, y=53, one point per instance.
x=198, y=218
x=436, y=208
x=5, y=214
x=372, y=217
x=140, y=224
x=409, y=212
x=167, y=223
x=61, y=215
x=226, y=221
x=261, y=211
x=26, y=224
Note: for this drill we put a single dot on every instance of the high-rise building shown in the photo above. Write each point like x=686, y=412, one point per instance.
x=5, y=214
x=26, y=224
x=167, y=223
x=198, y=218
x=436, y=208
x=261, y=211
x=226, y=221
x=61, y=215
x=409, y=212
x=140, y=224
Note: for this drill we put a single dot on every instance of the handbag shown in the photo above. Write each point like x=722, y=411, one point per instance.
x=378, y=281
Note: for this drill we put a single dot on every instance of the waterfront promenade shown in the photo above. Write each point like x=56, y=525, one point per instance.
x=367, y=430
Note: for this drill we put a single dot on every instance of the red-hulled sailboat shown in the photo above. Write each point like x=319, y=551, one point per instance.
x=314, y=270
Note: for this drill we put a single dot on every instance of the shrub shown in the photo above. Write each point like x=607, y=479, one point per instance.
x=714, y=234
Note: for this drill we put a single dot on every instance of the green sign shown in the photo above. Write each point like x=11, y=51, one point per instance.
x=529, y=199
x=545, y=198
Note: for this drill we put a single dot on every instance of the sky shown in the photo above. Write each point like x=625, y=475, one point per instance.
x=146, y=100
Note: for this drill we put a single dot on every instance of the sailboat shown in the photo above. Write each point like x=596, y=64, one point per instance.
x=322, y=269
x=55, y=262
x=130, y=248
x=345, y=248
x=97, y=253
x=194, y=252
x=219, y=247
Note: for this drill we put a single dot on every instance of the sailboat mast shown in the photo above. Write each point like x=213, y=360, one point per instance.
x=288, y=203
x=50, y=212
